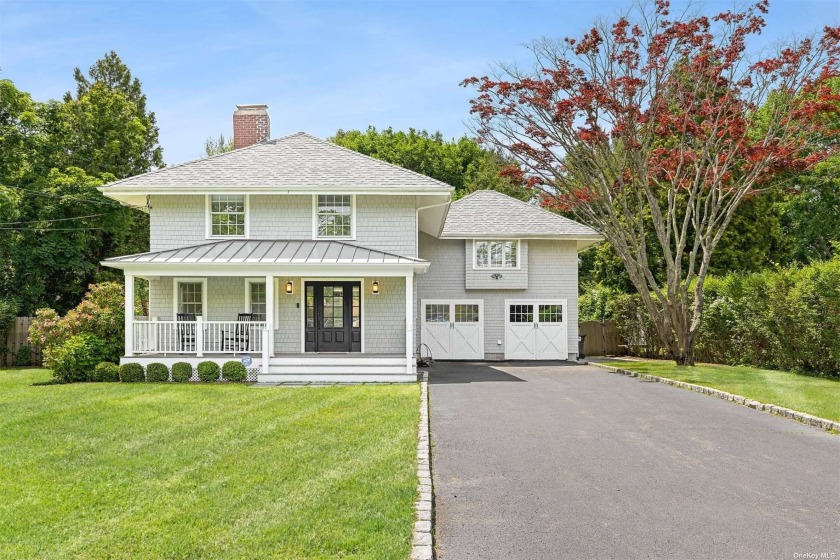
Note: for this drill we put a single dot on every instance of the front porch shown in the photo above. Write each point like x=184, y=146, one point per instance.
x=298, y=321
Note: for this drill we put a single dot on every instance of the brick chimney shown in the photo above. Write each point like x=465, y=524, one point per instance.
x=250, y=125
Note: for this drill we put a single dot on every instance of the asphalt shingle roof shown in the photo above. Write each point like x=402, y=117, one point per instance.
x=491, y=213
x=297, y=160
x=265, y=251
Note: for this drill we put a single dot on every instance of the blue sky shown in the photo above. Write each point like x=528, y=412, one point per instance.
x=320, y=66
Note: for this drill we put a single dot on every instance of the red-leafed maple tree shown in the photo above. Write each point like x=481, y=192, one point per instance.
x=659, y=126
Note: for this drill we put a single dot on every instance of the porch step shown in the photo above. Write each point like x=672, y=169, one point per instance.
x=336, y=378
x=345, y=368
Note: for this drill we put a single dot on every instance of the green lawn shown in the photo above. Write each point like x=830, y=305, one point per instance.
x=205, y=471
x=814, y=395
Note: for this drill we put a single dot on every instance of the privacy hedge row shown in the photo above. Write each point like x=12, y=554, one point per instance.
x=787, y=318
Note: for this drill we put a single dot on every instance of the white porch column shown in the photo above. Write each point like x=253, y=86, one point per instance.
x=129, y=315
x=269, y=312
x=409, y=323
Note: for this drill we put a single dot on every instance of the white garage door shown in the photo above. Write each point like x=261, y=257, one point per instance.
x=453, y=329
x=536, y=330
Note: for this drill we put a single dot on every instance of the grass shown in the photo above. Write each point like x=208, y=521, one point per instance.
x=813, y=395
x=113, y=470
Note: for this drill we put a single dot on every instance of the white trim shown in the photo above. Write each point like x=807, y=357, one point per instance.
x=208, y=232
x=500, y=240
x=191, y=280
x=248, y=282
x=240, y=269
x=452, y=303
x=129, y=315
x=303, y=282
x=409, y=323
x=270, y=189
x=315, y=236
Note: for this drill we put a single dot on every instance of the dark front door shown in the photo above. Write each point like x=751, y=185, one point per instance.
x=333, y=317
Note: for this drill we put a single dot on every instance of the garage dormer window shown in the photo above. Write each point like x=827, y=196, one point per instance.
x=496, y=253
x=334, y=216
x=227, y=215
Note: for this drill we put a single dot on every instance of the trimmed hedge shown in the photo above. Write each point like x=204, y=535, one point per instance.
x=157, y=373
x=785, y=318
x=75, y=359
x=131, y=373
x=106, y=371
x=208, y=372
x=181, y=372
x=234, y=371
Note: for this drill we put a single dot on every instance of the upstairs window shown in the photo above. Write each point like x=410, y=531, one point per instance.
x=497, y=254
x=334, y=215
x=228, y=215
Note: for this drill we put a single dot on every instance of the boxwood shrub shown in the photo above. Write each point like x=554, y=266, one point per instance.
x=234, y=371
x=157, y=373
x=106, y=371
x=208, y=372
x=181, y=372
x=131, y=373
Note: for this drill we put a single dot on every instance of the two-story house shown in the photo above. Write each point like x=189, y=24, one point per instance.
x=322, y=264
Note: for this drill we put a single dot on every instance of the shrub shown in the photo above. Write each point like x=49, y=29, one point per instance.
x=208, y=372
x=234, y=371
x=157, y=373
x=77, y=357
x=106, y=371
x=181, y=372
x=101, y=313
x=23, y=357
x=131, y=373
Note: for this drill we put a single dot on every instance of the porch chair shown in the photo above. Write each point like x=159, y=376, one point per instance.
x=240, y=338
x=186, y=332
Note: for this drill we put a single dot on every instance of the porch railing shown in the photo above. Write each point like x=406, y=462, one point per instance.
x=199, y=337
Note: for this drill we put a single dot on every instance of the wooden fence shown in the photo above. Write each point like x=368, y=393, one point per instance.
x=602, y=338
x=16, y=337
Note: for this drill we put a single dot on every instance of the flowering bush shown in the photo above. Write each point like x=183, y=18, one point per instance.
x=101, y=313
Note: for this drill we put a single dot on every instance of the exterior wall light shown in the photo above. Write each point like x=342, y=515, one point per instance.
x=374, y=288
x=290, y=287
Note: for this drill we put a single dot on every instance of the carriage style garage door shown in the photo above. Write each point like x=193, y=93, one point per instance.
x=536, y=330
x=453, y=329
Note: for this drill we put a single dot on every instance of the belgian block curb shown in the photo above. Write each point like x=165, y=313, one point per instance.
x=421, y=537
x=823, y=423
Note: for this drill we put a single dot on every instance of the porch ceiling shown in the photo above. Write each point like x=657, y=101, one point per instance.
x=250, y=252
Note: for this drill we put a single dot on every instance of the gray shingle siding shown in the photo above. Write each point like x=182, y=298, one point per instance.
x=552, y=273
x=482, y=279
x=386, y=223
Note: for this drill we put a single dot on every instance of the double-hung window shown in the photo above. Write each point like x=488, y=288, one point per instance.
x=228, y=215
x=497, y=254
x=189, y=296
x=256, y=300
x=334, y=216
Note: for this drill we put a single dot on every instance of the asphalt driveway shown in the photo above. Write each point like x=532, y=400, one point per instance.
x=563, y=461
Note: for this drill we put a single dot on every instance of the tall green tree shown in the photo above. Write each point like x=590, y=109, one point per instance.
x=55, y=226
x=462, y=163
x=111, y=129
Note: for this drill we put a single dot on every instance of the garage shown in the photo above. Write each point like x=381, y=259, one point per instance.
x=453, y=329
x=536, y=330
